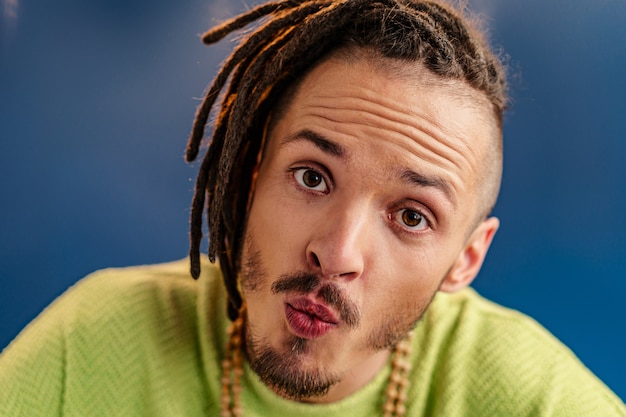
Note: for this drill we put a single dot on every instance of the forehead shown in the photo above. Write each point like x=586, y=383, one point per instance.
x=377, y=106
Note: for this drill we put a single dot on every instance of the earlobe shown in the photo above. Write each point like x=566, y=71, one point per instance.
x=471, y=257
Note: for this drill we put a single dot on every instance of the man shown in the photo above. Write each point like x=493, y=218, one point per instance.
x=353, y=166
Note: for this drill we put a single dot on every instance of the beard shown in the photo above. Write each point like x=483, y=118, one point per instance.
x=284, y=369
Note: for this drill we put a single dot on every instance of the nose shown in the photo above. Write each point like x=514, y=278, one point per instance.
x=338, y=245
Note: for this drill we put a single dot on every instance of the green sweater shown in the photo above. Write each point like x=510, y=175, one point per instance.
x=148, y=341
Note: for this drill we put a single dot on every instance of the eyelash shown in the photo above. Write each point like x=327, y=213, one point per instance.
x=325, y=178
x=395, y=215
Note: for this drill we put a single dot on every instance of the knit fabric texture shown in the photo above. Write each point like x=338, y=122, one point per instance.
x=148, y=341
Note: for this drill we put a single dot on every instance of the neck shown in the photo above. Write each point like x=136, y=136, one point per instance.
x=356, y=378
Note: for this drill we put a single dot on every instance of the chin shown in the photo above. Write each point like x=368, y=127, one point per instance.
x=288, y=371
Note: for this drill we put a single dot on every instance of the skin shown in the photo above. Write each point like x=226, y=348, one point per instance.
x=369, y=185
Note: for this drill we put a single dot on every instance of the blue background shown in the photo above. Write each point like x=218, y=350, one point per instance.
x=97, y=99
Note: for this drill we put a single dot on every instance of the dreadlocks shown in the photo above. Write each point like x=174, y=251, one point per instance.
x=292, y=36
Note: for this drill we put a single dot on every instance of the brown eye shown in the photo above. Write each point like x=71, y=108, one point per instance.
x=412, y=219
x=311, y=179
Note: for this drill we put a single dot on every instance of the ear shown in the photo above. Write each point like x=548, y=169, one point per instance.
x=471, y=257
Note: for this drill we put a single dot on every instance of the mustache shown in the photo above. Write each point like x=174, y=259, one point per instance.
x=307, y=283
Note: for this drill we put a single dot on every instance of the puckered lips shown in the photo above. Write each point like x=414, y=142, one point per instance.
x=309, y=319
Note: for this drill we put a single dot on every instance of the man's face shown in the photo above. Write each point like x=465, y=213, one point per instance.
x=364, y=206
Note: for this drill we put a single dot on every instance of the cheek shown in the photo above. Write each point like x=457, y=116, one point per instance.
x=256, y=280
x=253, y=274
x=405, y=278
x=282, y=228
x=267, y=213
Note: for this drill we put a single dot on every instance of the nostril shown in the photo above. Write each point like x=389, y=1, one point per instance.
x=314, y=260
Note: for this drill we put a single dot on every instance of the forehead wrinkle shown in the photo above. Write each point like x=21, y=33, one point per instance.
x=405, y=172
x=435, y=155
x=378, y=112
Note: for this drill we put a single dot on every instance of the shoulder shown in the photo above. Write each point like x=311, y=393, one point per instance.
x=119, y=335
x=157, y=286
x=133, y=280
x=501, y=361
x=117, y=294
x=123, y=304
x=164, y=296
x=478, y=321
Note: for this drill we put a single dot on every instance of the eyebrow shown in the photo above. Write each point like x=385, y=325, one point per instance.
x=336, y=150
x=324, y=144
x=429, y=182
